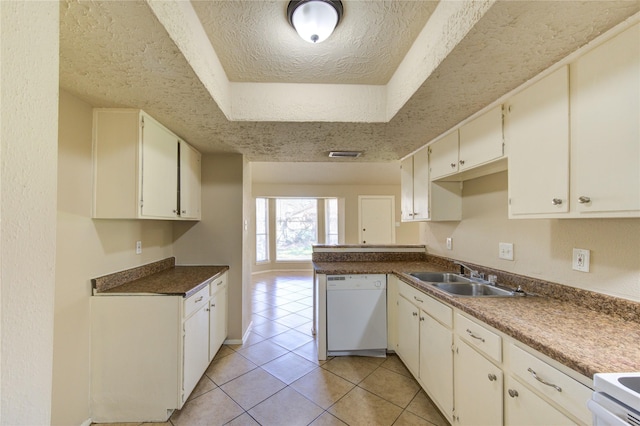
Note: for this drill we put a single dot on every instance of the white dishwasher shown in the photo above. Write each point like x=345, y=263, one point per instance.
x=357, y=315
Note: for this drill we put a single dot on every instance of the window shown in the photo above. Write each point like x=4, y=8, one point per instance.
x=296, y=228
x=262, y=229
x=331, y=221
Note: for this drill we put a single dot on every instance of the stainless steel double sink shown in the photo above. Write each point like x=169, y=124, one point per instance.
x=462, y=286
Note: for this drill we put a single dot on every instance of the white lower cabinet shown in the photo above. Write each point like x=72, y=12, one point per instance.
x=477, y=375
x=477, y=387
x=436, y=362
x=425, y=344
x=217, y=315
x=148, y=352
x=408, y=335
x=196, y=349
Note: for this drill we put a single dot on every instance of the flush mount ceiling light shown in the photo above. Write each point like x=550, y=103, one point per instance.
x=314, y=20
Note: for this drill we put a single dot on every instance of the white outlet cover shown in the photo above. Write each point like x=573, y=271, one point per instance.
x=138, y=247
x=581, y=259
x=449, y=243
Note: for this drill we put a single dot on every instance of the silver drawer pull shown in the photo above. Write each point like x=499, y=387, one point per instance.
x=556, y=201
x=492, y=377
x=474, y=336
x=415, y=314
x=513, y=393
x=584, y=200
x=198, y=299
x=419, y=300
x=535, y=376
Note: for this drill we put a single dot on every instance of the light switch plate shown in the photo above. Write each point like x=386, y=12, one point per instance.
x=581, y=258
x=449, y=243
x=505, y=251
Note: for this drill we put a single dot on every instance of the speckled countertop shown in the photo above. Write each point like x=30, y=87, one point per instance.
x=161, y=278
x=587, y=332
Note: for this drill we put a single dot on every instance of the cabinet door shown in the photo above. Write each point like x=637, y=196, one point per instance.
x=159, y=172
x=189, y=182
x=537, y=135
x=605, y=135
x=421, y=184
x=443, y=156
x=477, y=387
x=196, y=350
x=481, y=139
x=436, y=362
x=406, y=189
x=217, y=321
x=408, y=335
x=523, y=407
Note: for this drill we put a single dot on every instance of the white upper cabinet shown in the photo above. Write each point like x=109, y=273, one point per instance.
x=536, y=128
x=443, y=156
x=481, y=140
x=471, y=151
x=136, y=168
x=414, y=181
x=605, y=129
x=190, y=166
x=159, y=171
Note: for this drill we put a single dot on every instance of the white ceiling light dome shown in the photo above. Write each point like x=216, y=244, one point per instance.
x=314, y=20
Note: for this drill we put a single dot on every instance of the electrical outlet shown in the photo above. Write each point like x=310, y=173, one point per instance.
x=449, y=243
x=581, y=260
x=138, y=247
x=505, y=251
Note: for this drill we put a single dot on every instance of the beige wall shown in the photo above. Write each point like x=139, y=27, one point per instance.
x=406, y=233
x=28, y=135
x=86, y=248
x=542, y=247
x=218, y=237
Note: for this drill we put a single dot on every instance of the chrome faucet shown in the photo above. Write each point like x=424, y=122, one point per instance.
x=472, y=272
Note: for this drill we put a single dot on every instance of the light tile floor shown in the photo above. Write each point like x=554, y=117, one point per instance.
x=275, y=378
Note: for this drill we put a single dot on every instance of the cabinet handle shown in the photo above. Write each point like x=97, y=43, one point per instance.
x=535, y=376
x=584, y=200
x=199, y=299
x=421, y=318
x=419, y=300
x=175, y=211
x=474, y=336
x=462, y=162
x=184, y=212
x=453, y=165
x=513, y=393
x=556, y=201
x=492, y=377
x=415, y=314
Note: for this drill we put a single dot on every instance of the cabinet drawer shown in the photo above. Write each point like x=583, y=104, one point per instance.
x=218, y=284
x=559, y=388
x=437, y=310
x=479, y=337
x=191, y=304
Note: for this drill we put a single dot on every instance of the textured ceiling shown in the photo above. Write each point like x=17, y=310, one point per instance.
x=255, y=43
x=117, y=54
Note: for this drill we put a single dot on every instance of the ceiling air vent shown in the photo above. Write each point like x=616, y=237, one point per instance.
x=345, y=154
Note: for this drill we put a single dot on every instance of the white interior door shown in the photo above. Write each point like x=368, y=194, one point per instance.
x=377, y=219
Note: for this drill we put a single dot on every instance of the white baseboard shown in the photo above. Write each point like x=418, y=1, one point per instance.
x=244, y=337
x=280, y=270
